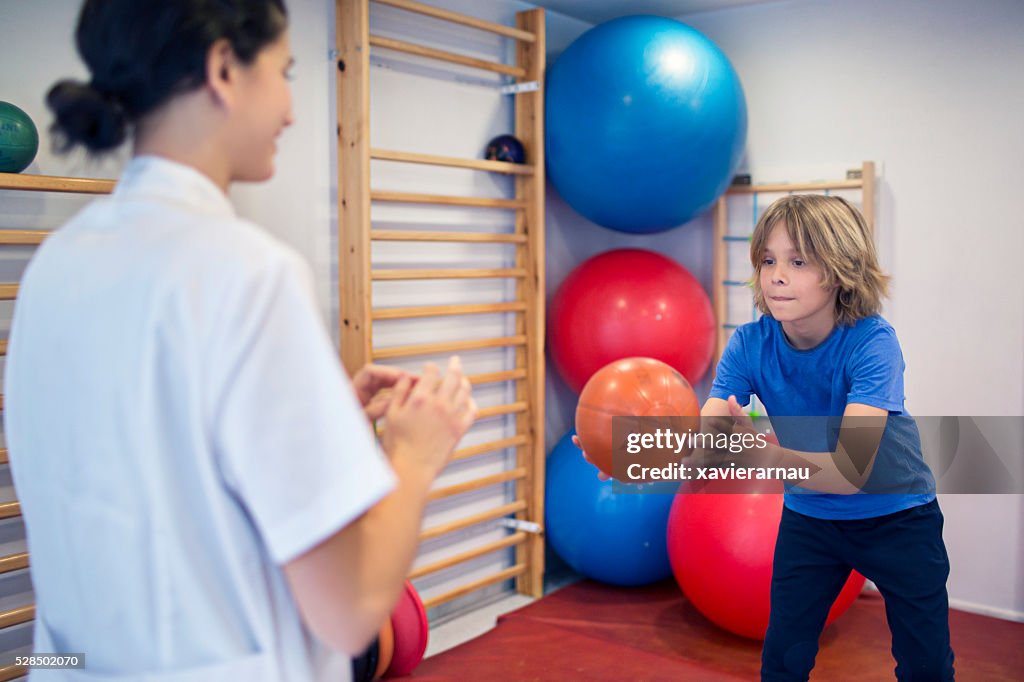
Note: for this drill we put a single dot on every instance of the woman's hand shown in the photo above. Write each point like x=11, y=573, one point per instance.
x=425, y=421
x=372, y=384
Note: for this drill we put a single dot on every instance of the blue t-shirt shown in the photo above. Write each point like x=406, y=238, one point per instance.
x=805, y=393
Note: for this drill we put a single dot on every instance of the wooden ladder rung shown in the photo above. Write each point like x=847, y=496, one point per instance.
x=498, y=577
x=3, y=347
x=498, y=410
x=8, y=291
x=12, y=672
x=22, y=614
x=447, y=347
x=446, y=200
x=474, y=379
x=798, y=187
x=426, y=236
x=13, y=562
x=457, y=18
x=9, y=510
x=3, y=451
x=486, y=378
x=446, y=56
x=23, y=237
x=491, y=446
x=514, y=539
x=404, y=274
x=489, y=515
x=441, y=310
x=477, y=483
x=453, y=162
x=53, y=183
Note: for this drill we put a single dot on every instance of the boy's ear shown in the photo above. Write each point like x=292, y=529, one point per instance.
x=221, y=72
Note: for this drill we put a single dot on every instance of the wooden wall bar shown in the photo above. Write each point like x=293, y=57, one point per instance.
x=356, y=236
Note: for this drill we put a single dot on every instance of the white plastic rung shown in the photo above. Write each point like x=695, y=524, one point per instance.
x=526, y=526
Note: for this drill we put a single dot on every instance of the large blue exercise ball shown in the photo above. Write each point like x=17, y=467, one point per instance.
x=617, y=538
x=645, y=123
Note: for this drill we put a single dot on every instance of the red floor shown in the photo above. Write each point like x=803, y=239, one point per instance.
x=590, y=631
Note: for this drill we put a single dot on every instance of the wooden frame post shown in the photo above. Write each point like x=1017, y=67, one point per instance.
x=354, y=285
x=719, y=266
x=867, y=208
x=529, y=127
x=356, y=273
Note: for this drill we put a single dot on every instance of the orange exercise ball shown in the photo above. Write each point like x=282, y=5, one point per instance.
x=639, y=388
x=386, y=640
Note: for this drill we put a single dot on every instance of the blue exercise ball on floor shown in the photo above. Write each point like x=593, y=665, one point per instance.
x=617, y=538
x=645, y=123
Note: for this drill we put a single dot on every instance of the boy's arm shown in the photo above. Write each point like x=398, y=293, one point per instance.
x=843, y=472
x=846, y=470
x=715, y=407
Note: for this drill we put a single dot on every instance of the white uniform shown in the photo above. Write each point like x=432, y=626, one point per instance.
x=179, y=426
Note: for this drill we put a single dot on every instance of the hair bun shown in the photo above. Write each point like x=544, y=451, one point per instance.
x=85, y=116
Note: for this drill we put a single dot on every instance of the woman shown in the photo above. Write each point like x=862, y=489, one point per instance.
x=203, y=494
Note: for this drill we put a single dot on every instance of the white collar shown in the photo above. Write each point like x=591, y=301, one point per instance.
x=160, y=178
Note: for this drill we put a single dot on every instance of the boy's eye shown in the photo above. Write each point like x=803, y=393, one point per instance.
x=799, y=263
x=767, y=261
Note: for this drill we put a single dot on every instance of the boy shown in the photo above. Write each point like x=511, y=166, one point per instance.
x=821, y=350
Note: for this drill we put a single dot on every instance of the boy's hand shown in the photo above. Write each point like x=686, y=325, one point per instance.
x=742, y=421
x=737, y=422
x=600, y=474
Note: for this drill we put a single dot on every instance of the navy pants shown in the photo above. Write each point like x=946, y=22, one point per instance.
x=902, y=553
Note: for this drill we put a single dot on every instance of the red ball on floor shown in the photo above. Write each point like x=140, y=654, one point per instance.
x=721, y=548
x=411, y=631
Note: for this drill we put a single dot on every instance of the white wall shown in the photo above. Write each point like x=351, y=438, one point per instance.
x=932, y=90
x=296, y=205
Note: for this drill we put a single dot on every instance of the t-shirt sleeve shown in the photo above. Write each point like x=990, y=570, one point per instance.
x=732, y=376
x=876, y=371
x=292, y=438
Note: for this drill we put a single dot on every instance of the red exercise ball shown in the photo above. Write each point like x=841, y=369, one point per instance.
x=411, y=631
x=630, y=303
x=721, y=548
x=633, y=387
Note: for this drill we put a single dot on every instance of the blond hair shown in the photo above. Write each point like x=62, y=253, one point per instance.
x=831, y=233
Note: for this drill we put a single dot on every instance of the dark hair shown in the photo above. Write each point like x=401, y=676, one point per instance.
x=140, y=53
